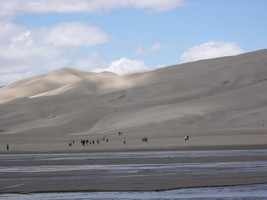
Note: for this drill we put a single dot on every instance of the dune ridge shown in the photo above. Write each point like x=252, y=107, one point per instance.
x=218, y=101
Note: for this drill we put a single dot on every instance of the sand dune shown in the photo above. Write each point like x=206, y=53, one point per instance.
x=223, y=98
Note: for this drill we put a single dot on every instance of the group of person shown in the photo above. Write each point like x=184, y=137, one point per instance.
x=86, y=142
x=94, y=141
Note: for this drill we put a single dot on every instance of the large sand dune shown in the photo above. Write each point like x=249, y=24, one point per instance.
x=219, y=101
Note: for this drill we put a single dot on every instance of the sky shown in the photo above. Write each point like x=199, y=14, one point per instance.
x=123, y=36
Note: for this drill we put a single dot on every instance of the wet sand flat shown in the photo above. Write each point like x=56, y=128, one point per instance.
x=130, y=171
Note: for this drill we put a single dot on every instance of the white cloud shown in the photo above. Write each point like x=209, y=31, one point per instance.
x=93, y=62
x=124, y=66
x=40, y=50
x=11, y=8
x=73, y=35
x=157, y=5
x=143, y=51
x=7, y=31
x=211, y=49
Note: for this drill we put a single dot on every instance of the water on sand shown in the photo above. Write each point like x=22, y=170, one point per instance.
x=135, y=171
x=251, y=192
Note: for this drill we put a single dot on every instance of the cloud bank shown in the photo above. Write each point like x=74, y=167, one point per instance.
x=211, y=49
x=11, y=8
x=24, y=52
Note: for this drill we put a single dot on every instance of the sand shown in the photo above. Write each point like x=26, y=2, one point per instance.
x=136, y=144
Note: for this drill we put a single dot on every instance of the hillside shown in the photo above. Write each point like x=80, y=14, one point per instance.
x=220, y=99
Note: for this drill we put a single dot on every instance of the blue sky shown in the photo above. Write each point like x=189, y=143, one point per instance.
x=123, y=36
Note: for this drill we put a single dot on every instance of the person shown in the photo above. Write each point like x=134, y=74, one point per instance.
x=7, y=147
